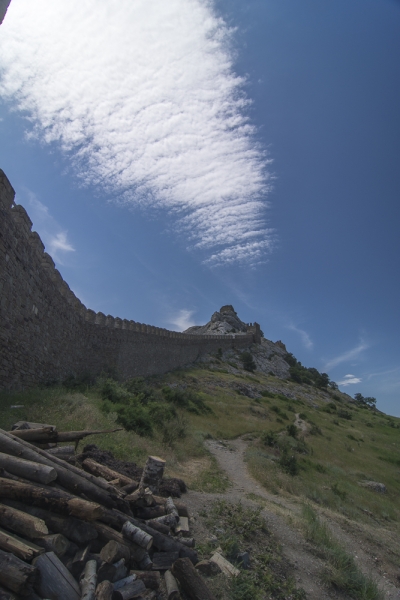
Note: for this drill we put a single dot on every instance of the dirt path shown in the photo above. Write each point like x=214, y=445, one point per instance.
x=306, y=566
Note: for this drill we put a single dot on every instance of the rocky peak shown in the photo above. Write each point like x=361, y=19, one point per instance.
x=222, y=322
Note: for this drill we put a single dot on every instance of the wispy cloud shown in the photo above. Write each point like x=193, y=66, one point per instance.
x=51, y=233
x=305, y=338
x=142, y=98
x=183, y=319
x=349, y=380
x=347, y=356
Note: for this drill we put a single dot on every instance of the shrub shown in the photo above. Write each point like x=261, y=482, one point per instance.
x=288, y=462
x=292, y=430
x=248, y=362
x=267, y=394
x=268, y=438
x=344, y=414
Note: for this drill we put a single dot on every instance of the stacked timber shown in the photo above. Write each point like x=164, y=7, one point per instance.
x=70, y=532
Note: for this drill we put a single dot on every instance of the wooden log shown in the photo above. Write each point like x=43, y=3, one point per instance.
x=88, y=581
x=181, y=508
x=19, y=547
x=136, y=535
x=171, y=509
x=168, y=520
x=106, y=572
x=121, y=582
x=76, y=565
x=30, y=425
x=161, y=541
x=6, y=594
x=161, y=528
x=191, y=581
x=22, y=523
x=132, y=590
x=113, y=551
x=151, y=579
x=128, y=489
x=55, y=579
x=52, y=498
x=76, y=530
x=226, y=567
x=107, y=534
x=105, y=591
x=164, y=560
x=152, y=473
x=62, y=451
x=16, y=574
x=54, y=542
x=73, y=479
x=189, y=542
x=121, y=570
x=27, y=469
x=50, y=434
x=172, y=586
x=109, y=474
x=182, y=527
x=149, y=512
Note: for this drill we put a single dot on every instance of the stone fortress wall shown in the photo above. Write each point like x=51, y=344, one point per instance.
x=47, y=334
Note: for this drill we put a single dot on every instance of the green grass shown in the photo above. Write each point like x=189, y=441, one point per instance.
x=342, y=571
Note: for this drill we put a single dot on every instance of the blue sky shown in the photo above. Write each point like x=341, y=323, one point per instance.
x=175, y=157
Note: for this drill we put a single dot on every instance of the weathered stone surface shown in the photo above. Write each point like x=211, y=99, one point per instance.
x=374, y=485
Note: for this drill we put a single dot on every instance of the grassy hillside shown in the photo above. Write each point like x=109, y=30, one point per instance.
x=335, y=447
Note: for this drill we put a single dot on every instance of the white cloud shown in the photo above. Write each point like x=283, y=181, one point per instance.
x=142, y=97
x=51, y=233
x=183, y=319
x=347, y=356
x=349, y=379
x=305, y=338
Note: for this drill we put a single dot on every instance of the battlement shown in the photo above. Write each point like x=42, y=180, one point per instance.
x=47, y=333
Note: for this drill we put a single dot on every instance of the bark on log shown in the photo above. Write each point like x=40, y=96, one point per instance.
x=89, y=581
x=106, y=572
x=107, y=534
x=152, y=473
x=150, y=512
x=162, y=561
x=136, y=535
x=168, y=520
x=226, y=567
x=181, y=508
x=6, y=594
x=171, y=509
x=151, y=579
x=56, y=582
x=121, y=570
x=50, y=434
x=99, y=470
x=19, y=547
x=121, y=582
x=27, y=469
x=72, y=478
x=191, y=581
x=74, y=529
x=54, y=542
x=132, y=590
x=22, y=523
x=105, y=591
x=172, y=586
x=160, y=541
x=113, y=551
x=128, y=489
x=52, y=498
x=30, y=425
x=189, y=542
x=76, y=565
x=15, y=574
x=182, y=527
x=62, y=451
x=164, y=529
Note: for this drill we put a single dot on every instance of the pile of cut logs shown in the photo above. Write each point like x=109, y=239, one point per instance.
x=70, y=533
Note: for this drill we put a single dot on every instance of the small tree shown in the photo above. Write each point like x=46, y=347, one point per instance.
x=248, y=362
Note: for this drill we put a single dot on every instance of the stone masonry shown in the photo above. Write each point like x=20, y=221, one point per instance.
x=47, y=334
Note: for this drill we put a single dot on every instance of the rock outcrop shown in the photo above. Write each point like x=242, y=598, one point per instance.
x=222, y=322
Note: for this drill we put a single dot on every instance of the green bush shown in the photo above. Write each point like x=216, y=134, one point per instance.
x=288, y=462
x=248, y=362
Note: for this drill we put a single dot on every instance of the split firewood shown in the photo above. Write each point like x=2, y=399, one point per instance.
x=182, y=526
x=152, y=473
x=88, y=581
x=140, y=537
x=27, y=469
x=121, y=570
x=6, y=594
x=162, y=561
x=181, y=508
x=226, y=567
x=74, y=529
x=16, y=574
x=119, y=584
x=108, y=474
x=50, y=497
x=50, y=434
x=22, y=523
x=151, y=579
x=76, y=565
x=105, y=591
x=68, y=476
x=191, y=581
x=113, y=551
x=55, y=579
x=54, y=542
x=172, y=586
x=132, y=590
x=171, y=509
x=21, y=548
